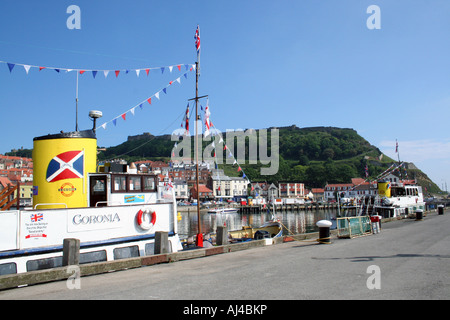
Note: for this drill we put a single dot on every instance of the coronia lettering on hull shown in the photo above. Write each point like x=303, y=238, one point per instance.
x=94, y=219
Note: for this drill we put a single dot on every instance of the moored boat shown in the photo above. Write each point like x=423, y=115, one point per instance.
x=399, y=199
x=271, y=229
x=222, y=210
x=115, y=212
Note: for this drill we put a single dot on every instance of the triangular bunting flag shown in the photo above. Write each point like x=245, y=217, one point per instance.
x=40, y=68
x=57, y=70
x=178, y=80
x=165, y=90
x=147, y=70
x=132, y=111
x=162, y=70
x=137, y=72
x=149, y=100
x=81, y=71
x=170, y=68
x=10, y=66
x=157, y=95
x=105, y=72
x=94, y=73
x=117, y=73
x=104, y=126
x=140, y=106
x=239, y=169
x=26, y=67
x=115, y=121
x=124, y=115
x=179, y=67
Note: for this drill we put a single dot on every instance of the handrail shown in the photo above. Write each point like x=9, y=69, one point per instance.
x=50, y=204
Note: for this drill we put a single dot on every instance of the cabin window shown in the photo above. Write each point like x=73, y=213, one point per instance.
x=149, y=183
x=120, y=183
x=8, y=268
x=99, y=186
x=94, y=256
x=134, y=184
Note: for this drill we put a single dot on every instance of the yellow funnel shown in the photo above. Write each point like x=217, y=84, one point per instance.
x=61, y=163
x=384, y=189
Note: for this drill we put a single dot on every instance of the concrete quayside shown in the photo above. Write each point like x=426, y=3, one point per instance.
x=393, y=241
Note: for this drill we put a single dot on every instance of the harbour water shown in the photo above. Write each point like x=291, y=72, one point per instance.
x=302, y=221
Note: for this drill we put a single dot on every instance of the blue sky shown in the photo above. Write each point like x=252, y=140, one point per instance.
x=263, y=64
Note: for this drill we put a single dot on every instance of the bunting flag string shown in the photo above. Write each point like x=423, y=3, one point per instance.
x=208, y=126
x=28, y=67
x=148, y=100
x=208, y=130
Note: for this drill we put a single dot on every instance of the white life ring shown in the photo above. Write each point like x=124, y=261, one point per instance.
x=143, y=223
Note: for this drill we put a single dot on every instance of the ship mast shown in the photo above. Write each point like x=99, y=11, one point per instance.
x=199, y=237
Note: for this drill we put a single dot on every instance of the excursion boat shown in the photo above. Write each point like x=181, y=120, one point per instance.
x=113, y=210
x=396, y=200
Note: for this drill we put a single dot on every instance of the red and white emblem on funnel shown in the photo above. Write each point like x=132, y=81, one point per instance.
x=66, y=165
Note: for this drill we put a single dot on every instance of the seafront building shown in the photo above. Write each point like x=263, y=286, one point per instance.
x=215, y=184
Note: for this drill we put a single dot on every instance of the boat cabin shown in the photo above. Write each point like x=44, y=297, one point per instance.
x=401, y=191
x=111, y=189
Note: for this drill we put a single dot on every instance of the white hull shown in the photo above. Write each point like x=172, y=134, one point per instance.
x=32, y=240
x=225, y=210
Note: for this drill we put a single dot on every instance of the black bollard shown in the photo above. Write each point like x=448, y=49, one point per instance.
x=440, y=209
x=324, y=231
x=419, y=215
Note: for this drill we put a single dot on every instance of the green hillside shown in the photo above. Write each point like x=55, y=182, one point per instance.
x=315, y=156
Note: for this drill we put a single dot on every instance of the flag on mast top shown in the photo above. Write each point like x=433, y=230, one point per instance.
x=197, y=45
x=197, y=40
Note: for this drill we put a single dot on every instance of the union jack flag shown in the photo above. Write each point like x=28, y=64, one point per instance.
x=37, y=217
x=197, y=39
x=66, y=165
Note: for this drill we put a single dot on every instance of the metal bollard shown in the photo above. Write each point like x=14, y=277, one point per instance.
x=324, y=231
x=419, y=215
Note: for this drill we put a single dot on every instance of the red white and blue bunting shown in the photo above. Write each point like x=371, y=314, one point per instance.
x=156, y=95
x=28, y=67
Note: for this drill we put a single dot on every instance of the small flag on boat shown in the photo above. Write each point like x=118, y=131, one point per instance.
x=37, y=217
x=197, y=39
x=187, y=119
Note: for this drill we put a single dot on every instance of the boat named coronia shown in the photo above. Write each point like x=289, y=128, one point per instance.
x=115, y=212
x=101, y=218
